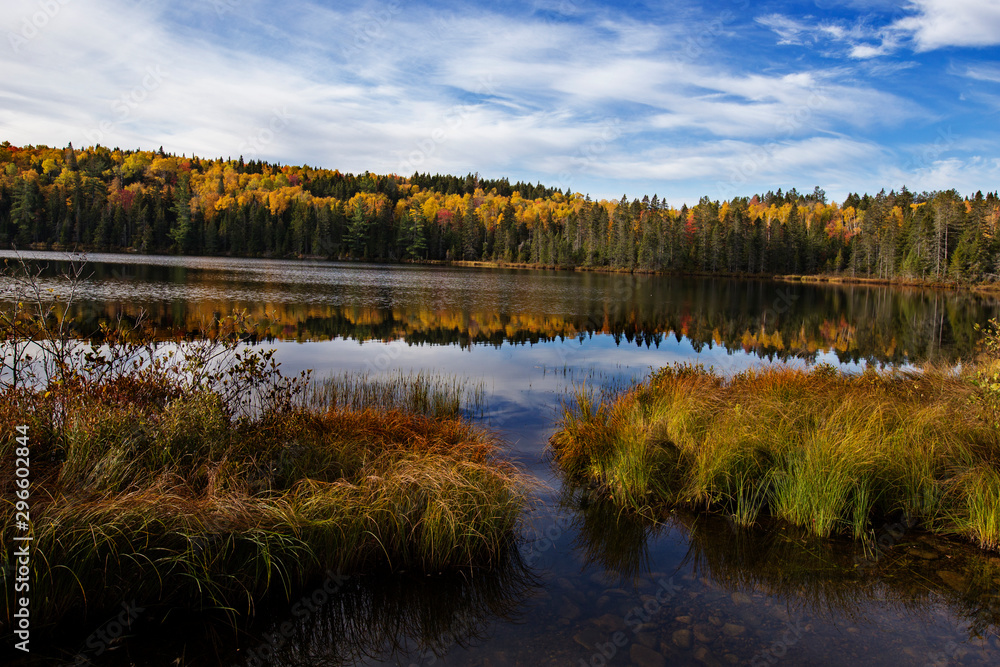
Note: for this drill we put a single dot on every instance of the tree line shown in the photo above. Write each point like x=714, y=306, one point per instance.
x=100, y=198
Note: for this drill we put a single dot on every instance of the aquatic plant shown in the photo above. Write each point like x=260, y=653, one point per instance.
x=178, y=501
x=195, y=475
x=829, y=451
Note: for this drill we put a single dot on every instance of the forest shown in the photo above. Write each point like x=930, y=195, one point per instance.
x=99, y=198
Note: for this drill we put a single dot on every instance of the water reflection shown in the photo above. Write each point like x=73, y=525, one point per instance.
x=416, y=619
x=439, y=305
x=342, y=620
x=611, y=539
x=916, y=577
x=533, y=334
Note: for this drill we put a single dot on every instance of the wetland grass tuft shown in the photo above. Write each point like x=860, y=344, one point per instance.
x=182, y=504
x=831, y=452
x=420, y=393
x=194, y=475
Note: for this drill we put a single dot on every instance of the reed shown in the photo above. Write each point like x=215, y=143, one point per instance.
x=833, y=453
x=184, y=505
x=420, y=392
x=193, y=474
x=177, y=499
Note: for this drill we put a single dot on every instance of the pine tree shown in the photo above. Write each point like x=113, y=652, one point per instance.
x=322, y=243
x=356, y=238
x=210, y=246
x=27, y=199
x=417, y=248
x=146, y=239
x=181, y=230
x=472, y=240
x=71, y=162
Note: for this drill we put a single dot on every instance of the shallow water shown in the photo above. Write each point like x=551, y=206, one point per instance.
x=585, y=586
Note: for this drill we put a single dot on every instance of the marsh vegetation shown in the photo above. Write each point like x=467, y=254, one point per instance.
x=832, y=452
x=194, y=474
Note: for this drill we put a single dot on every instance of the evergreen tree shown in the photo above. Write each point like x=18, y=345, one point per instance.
x=25, y=210
x=180, y=231
x=356, y=237
x=472, y=236
x=322, y=243
x=417, y=247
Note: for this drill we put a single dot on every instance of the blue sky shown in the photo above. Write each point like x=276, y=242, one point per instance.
x=680, y=99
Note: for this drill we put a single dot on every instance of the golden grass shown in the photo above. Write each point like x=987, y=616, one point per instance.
x=173, y=501
x=827, y=451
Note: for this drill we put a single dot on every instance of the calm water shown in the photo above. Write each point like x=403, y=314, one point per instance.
x=587, y=587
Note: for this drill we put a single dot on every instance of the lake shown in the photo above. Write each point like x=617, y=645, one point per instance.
x=587, y=587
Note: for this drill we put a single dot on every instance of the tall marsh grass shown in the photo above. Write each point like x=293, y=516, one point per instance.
x=420, y=393
x=831, y=452
x=182, y=504
x=201, y=477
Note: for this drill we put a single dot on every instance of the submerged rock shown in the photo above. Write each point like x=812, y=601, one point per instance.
x=706, y=634
x=741, y=598
x=704, y=656
x=610, y=622
x=954, y=580
x=589, y=637
x=646, y=657
x=733, y=630
x=568, y=610
x=926, y=554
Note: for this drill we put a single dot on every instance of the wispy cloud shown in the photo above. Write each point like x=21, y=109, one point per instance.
x=789, y=30
x=928, y=25
x=859, y=40
x=984, y=73
x=517, y=91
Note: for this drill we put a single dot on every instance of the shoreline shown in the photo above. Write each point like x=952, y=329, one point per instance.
x=819, y=278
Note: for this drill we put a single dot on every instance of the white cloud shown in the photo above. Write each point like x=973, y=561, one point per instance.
x=734, y=163
x=933, y=24
x=983, y=73
x=384, y=89
x=860, y=38
x=864, y=51
x=966, y=174
x=788, y=29
x=942, y=23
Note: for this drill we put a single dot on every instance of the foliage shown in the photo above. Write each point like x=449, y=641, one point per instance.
x=987, y=375
x=98, y=198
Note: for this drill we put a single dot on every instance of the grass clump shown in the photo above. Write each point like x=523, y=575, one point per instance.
x=831, y=452
x=195, y=475
x=420, y=393
x=181, y=502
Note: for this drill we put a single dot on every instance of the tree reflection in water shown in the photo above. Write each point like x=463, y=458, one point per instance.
x=918, y=574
